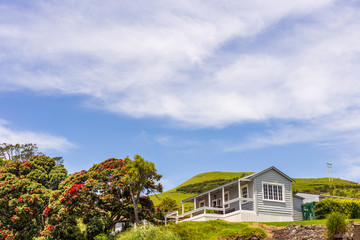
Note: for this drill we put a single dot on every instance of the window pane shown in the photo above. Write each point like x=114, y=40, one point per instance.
x=270, y=192
x=275, y=192
x=280, y=193
x=266, y=191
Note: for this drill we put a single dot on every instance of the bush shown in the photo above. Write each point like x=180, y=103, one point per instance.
x=148, y=233
x=95, y=227
x=335, y=224
x=351, y=208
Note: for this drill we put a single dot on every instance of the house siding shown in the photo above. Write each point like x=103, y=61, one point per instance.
x=273, y=207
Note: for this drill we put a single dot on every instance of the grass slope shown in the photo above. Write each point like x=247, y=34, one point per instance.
x=313, y=184
x=208, y=230
x=339, y=187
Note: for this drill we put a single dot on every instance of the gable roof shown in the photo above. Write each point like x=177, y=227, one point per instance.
x=254, y=175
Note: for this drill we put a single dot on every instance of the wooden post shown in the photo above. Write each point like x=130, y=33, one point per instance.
x=194, y=203
x=239, y=187
x=182, y=207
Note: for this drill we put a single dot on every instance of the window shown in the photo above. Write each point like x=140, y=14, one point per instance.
x=244, y=192
x=227, y=198
x=273, y=191
x=216, y=202
x=202, y=203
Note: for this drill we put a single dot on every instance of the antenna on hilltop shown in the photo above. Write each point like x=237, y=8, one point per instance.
x=329, y=166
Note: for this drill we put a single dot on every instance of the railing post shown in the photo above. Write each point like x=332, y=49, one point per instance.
x=209, y=199
x=182, y=208
x=239, y=187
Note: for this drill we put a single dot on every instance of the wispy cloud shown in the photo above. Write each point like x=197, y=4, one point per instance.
x=43, y=140
x=175, y=60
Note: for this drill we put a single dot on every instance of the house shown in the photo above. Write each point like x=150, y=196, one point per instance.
x=265, y=196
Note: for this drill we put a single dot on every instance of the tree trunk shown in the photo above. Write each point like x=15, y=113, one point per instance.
x=136, y=213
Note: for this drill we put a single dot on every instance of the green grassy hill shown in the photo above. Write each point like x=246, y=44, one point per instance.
x=205, y=181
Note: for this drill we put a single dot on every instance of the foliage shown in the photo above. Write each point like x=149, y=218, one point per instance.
x=140, y=177
x=335, y=224
x=25, y=190
x=214, y=230
x=349, y=207
x=168, y=205
x=148, y=233
x=100, y=197
x=18, y=152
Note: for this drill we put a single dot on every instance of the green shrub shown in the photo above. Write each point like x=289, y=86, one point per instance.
x=148, y=233
x=351, y=208
x=94, y=228
x=102, y=236
x=335, y=223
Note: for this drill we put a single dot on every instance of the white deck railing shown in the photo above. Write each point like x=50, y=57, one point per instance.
x=202, y=210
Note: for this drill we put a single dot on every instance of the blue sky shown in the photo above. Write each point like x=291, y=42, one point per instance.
x=193, y=86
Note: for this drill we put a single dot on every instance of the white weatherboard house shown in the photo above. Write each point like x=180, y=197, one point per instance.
x=265, y=196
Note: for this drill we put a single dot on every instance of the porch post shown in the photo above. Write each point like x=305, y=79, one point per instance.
x=239, y=188
x=223, y=199
x=209, y=199
x=182, y=207
x=194, y=203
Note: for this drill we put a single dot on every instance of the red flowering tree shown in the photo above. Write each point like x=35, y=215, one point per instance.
x=101, y=192
x=25, y=190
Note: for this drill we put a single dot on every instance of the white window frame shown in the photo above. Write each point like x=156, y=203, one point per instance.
x=226, y=205
x=274, y=184
x=200, y=202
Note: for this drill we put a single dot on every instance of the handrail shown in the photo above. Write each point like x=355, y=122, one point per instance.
x=239, y=199
x=201, y=209
x=172, y=213
x=215, y=208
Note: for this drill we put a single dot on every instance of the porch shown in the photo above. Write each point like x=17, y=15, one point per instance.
x=231, y=201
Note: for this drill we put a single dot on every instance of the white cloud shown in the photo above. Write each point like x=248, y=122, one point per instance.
x=43, y=140
x=170, y=59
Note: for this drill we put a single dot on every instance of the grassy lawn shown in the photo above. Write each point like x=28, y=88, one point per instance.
x=209, y=230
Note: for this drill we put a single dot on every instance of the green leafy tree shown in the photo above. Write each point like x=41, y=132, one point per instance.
x=168, y=205
x=25, y=191
x=140, y=178
x=18, y=152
